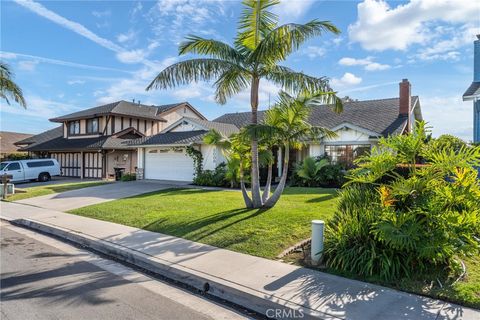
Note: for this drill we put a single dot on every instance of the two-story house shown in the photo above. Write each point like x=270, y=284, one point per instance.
x=92, y=142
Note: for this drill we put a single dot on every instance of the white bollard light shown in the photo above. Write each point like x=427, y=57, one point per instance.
x=317, y=240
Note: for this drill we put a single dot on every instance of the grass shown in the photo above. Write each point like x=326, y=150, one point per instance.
x=25, y=193
x=218, y=218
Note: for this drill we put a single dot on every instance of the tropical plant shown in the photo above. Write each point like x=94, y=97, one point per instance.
x=393, y=225
x=447, y=141
x=212, y=178
x=260, y=45
x=308, y=170
x=287, y=122
x=8, y=88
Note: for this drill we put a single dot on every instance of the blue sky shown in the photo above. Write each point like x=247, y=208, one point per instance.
x=72, y=55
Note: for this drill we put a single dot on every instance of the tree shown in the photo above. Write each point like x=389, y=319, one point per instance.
x=260, y=45
x=8, y=88
x=287, y=122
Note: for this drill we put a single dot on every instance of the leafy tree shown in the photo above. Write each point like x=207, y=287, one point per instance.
x=259, y=48
x=8, y=88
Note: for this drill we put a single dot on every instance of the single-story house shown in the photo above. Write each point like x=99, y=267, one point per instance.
x=159, y=145
x=7, y=143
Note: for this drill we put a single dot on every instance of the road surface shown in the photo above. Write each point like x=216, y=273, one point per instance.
x=43, y=278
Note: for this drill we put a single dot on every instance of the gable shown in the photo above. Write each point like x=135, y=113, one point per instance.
x=182, y=125
x=348, y=132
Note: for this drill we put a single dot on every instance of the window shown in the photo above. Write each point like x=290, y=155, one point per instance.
x=74, y=127
x=153, y=151
x=13, y=166
x=345, y=154
x=36, y=164
x=92, y=125
x=3, y=165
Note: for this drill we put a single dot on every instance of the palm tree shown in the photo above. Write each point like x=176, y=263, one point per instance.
x=259, y=47
x=8, y=88
x=287, y=122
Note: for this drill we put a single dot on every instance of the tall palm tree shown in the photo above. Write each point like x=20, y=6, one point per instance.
x=8, y=88
x=260, y=45
x=287, y=122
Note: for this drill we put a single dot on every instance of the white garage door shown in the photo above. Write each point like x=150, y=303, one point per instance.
x=167, y=164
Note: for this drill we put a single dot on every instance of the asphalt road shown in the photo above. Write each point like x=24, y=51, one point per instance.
x=43, y=278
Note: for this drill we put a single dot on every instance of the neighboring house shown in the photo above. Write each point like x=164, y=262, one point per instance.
x=92, y=142
x=473, y=92
x=358, y=128
x=7, y=143
x=153, y=140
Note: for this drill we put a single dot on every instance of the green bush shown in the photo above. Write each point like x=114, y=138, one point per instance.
x=318, y=172
x=128, y=177
x=393, y=226
x=212, y=178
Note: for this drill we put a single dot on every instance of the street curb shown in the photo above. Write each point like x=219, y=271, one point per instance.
x=229, y=291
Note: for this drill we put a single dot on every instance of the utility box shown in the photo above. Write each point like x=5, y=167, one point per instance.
x=10, y=189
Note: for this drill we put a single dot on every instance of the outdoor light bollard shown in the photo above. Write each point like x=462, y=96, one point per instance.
x=317, y=240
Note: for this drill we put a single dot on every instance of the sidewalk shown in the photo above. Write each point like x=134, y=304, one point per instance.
x=256, y=283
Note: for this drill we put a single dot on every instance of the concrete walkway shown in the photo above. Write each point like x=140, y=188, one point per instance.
x=93, y=195
x=268, y=287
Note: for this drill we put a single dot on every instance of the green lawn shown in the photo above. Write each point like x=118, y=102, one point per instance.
x=25, y=193
x=219, y=219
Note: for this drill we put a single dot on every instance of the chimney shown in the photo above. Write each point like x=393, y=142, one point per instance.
x=405, y=100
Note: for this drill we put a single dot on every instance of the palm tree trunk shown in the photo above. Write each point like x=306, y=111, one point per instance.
x=246, y=198
x=281, y=185
x=266, y=192
x=256, y=197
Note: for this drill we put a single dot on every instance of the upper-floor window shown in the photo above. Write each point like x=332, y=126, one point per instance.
x=74, y=127
x=92, y=125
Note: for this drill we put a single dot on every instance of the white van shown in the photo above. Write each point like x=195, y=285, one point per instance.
x=34, y=169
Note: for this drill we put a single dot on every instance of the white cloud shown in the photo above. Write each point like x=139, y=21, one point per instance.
x=380, y=27
x=122, y=54
x=348, y=79
x=292, y=9
x=72, y=82
x=438, y=111
x=367, y=63
x=12, y=56
x=38, y=107
x=132, y=56
x=102, y=14
x=314, y=52
x=28, y=65
x=71, y=25
x=126, y=37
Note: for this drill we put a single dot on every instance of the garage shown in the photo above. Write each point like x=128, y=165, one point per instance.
x=168, y=164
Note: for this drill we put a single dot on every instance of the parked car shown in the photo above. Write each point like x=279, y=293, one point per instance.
x=34, y=169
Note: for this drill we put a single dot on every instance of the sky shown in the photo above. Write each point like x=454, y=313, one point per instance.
x=72, y=55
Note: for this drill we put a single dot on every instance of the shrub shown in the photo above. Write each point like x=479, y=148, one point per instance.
x=318, y=172
x=128, y=177
x=212, y=178
x=393, y=226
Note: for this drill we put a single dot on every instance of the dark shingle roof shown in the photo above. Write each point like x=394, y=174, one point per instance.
x=42, y=137
x=380, y=116
x=62, y=144
x=472, y=91
x=172, y=138
x=121, y=108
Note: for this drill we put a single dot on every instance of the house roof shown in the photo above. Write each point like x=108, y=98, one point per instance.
x=171, y=138
x=122, y=108
x=380, y=116
x=225, y=129
x=472, y=91
x=8, y=140
x=41, y=137
x=63, y=144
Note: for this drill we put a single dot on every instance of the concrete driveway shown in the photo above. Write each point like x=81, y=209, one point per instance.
x=93, y=195
x=55, y=180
